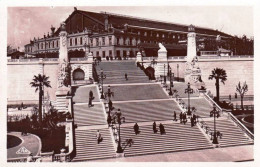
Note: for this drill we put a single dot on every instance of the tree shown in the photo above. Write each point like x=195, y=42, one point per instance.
x=39, y=82
x=242, y=91
x=218, y=74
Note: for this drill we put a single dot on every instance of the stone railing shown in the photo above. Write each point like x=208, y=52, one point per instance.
x=213, y=102
x=204, y=126
x=33, y=60
x=176, y=57
x=79, y=59
x=24, y=60
x=225, y=57
x=240, y=125
x=51, y=59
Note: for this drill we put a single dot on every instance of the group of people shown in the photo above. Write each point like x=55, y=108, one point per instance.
x=183, y=117
x=193, y=120
x=161, y=128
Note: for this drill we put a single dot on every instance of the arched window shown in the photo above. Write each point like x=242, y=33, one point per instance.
x=78, y=74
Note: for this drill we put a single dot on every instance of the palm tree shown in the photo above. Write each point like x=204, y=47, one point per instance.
x=242, y=90
x=218, y=74
x=39, y=82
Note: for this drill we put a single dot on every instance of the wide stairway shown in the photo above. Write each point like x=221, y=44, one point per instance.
x=231, y=134
x=178, y=137
x=85, y=116
x=115, y=72
x=87, y=147
x=148, y=110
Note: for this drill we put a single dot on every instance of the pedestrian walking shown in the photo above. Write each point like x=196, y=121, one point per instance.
x=126, y=77
x=109, y=120
x=154, y=127
x=181, y=116
x=136, y=128
x=174, y=116
x=99, y=137
x=184, y=118
x=162, y=130
x=194, y=119
x=191, y=121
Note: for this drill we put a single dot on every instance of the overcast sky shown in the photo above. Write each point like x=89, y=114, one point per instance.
x=24, y=23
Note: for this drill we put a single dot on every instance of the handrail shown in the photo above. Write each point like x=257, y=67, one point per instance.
x=213, y=102
x=242, y=127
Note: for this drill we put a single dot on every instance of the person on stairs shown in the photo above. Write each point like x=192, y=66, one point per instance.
x=99, y=137
x=136, y=129
x=181, y=116
x=154, y=127
x=162, y=130
x=184, y=118
x=174, y=116
x=126, y=77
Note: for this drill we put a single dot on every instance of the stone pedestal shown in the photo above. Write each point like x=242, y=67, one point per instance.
x=139, y=57
x=162, y=63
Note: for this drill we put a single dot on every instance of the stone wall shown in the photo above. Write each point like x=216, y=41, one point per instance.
x=19, y=76
x=236, y=71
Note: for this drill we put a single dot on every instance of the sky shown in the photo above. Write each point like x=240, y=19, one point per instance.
x=25, y=23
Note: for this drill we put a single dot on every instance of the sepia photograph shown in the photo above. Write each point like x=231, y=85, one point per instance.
x=130, y=84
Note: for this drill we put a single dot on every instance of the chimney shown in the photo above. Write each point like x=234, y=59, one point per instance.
x=52, y=30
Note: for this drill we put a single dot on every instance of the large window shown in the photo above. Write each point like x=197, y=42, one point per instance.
x=97, y=42
x=80, y=40
x=91, y=42
x=110, y=40
x=103, y=41
x=118, y=41
x=103, y=54
x=76, y=41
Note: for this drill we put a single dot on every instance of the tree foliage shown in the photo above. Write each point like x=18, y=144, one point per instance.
x=218, y=74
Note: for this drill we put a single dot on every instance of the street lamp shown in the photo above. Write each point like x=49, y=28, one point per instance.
x=109, y=94
x=164, y=77
x=216, y=134
x=117, y=118
x=189, y=90
x=178, y=72
x=171, y=82
x=102, y=77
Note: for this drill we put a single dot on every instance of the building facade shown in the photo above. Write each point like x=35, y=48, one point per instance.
x=112, y=35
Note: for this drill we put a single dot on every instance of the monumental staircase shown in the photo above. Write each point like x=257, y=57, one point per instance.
x=87, y=147
x=178, y=137
x=232, y=135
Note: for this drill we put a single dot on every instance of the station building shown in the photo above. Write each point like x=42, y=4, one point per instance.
x=113, y=35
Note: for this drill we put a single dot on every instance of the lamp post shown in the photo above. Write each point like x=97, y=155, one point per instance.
x=109, y=94
x=215, y=113
x=178, y=72
x=189, y=90
x=164, y=77
x=102, y=77
x=117, y=118
x=171, y=82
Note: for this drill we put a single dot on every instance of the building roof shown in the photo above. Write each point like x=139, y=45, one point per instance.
x=119, y=21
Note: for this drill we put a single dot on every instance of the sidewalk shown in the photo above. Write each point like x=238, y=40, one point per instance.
x=227, y=154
